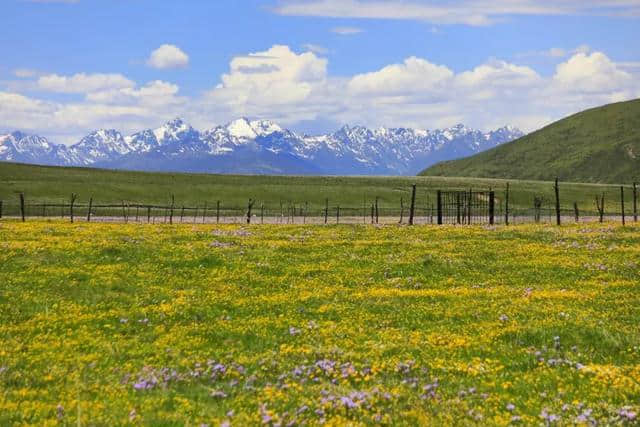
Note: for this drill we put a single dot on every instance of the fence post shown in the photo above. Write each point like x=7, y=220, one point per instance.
x=0, y=209
x=635, y=203
x=22, y=206
x=137, y=213
x=304, y=213
x=204, y=213
x=600, y=206
x=148, y=214
x=458, y=207
x=439, y=207
x=262, y=213
x=338, y=214
x=326, y=210
x=557, y=191
x=90, y=207
x=506, y=206
x=44, y=210
x=412, y=209
x=72, y=202
x=124, y=213
x=173, y=202
x=492, y=207
x=218, y=212
x=469, y=213
x=576, y=211
x=401, y=210
x=251, y=202
x=622, y=203
x=377, y=212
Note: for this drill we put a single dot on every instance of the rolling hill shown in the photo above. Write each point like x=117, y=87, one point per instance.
x=598, y=145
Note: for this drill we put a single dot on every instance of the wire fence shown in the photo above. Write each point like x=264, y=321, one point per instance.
x=463, y=207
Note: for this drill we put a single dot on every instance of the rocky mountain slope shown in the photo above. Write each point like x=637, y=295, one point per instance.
x=263, y=147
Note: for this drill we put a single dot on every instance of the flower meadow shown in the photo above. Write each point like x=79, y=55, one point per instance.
x=202, y=325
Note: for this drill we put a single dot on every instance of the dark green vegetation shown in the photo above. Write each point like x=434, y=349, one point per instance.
x=597, y=145
x=55, y=185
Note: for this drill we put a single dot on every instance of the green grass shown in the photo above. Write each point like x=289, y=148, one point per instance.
x=597, y=145
x=160, y=325
x=55, y=184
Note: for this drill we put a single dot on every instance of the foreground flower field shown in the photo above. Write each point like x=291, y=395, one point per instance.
x=301, y=325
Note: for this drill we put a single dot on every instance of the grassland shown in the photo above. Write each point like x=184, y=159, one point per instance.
x=597, y=145
x=55, y=184
x=202, y=325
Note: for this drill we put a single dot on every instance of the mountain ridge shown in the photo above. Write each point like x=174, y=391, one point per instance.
x=258, y=146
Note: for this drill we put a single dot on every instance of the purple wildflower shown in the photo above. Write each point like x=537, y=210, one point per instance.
x=348, y=403
x=59, y=412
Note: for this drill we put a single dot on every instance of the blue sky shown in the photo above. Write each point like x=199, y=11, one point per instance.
x=69, y=67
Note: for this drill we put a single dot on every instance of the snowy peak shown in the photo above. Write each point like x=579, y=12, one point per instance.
x=260, y=146
x=264, y=127
x=241, y=129
x=102, y=144
x=244, y=129
x=173, y=131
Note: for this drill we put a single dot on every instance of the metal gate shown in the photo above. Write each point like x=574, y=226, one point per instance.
x=466, y=207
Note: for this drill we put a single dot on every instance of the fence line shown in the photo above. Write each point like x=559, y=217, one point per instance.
x=463, y=207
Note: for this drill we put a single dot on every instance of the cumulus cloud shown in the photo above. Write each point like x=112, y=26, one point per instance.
x=500, y=74
x=591, y=73
x=168, y=56
x=295, y=87
x=262, y=82
x=414, y=75
x=83, y=83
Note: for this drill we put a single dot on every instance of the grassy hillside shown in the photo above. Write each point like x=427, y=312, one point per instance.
x=597, y=145
x=55, y=184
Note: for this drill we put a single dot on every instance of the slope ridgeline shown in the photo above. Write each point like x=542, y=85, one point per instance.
x=598, y=145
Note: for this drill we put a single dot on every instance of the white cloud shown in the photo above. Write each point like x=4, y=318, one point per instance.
x=295, y=87
x=168, y=56
x=591, y=73
x=24, y=73
x=53, y=1
x=156, y=93
x=498, y=73
x=319, y=50
x=414, y=75
x=83, y=83
x=267, y=81
x=469, y=12
x=346, y=31
x=556, y=52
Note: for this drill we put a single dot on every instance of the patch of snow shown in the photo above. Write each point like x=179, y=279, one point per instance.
x=264, y=127
x=241, y=128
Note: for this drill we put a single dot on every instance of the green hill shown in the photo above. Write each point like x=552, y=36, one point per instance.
x=597, y=145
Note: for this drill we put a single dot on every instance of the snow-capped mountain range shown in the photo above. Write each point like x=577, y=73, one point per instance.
x=260, y=146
